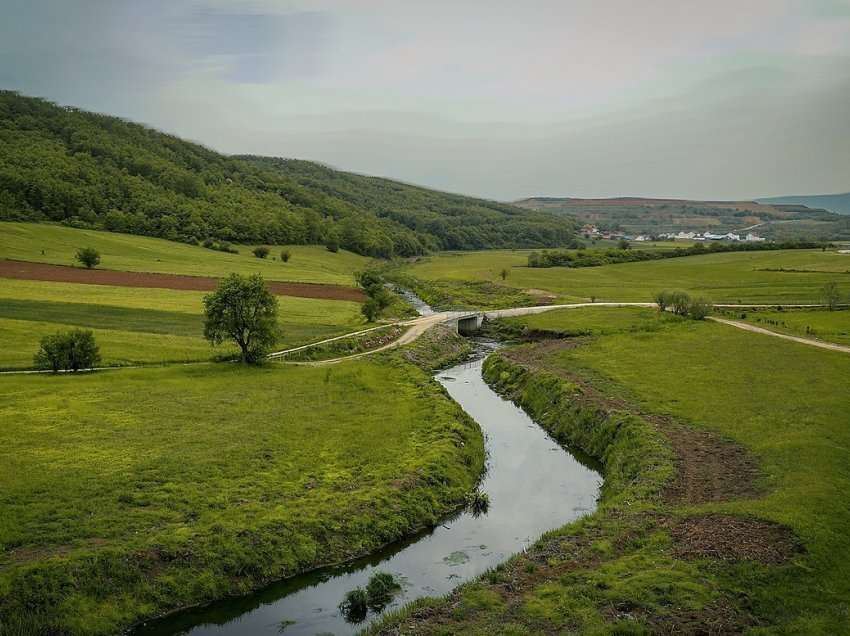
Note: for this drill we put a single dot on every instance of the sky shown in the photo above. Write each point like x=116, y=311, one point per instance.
x=721, y=99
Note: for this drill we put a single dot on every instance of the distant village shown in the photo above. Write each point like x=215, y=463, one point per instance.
x=593, y=232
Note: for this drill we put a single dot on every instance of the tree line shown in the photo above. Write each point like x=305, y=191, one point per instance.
x=624, y=254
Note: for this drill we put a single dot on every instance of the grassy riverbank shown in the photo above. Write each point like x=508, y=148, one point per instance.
x=130, y=493
x=725, y=504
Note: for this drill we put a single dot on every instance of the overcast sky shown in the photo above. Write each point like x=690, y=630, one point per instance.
x=702, y=99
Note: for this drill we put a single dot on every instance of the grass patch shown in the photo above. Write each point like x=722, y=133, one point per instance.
x=352, y=345
x=57, y=244
x=132, y=492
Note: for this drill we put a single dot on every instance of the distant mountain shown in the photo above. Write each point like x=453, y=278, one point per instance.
x=653, y=216
x=838, y=203
x=83, y=169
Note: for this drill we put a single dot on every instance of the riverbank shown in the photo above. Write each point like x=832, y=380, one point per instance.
x=212, y=481
x=724, y=506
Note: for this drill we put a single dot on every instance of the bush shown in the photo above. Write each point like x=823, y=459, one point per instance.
x=332, y=246
x=380, y=590
x=88, y=256
x=699, y=308
x=679, y=302
x=662, y=299
x=355, y=605
x=68, y=351
x=261, y=251
x=285, y=256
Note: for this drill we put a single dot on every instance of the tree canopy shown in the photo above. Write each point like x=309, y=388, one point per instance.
x=243, y=310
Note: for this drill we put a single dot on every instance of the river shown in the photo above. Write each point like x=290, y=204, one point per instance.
x=533, y=484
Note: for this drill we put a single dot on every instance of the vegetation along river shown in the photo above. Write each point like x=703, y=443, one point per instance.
x=533, y=484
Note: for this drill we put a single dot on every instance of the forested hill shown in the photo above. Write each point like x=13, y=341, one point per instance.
x=90, y=170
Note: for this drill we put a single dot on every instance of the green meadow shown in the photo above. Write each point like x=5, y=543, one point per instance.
x=785, y=276
x=57, y=244
x=127, y=493
x=139, y=325
x=619, y=570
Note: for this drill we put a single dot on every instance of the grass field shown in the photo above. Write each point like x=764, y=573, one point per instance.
x=628, y=569
x=139, y=325
x=832, y=326
x=58, y=244
x=129, y=492
x=750, y=277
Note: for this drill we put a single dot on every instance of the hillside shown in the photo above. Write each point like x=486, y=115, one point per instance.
x=837, y=203
x=83, y=169
x=636, y=215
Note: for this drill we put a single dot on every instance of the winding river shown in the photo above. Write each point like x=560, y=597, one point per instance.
x=534, y=485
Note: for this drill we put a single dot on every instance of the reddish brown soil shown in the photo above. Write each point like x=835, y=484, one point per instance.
x=25, y=270
x=731, y=538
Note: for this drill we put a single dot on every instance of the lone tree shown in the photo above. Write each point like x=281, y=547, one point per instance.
x=68, y=351
x=285, y=256
x=503, y=273
x=88, y=256
x=261, y=252
x=831, y=295
x=378, y=296
x=242, y=309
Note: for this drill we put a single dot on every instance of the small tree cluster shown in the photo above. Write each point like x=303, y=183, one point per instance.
x=88, y=257
x=681, y=304
x=378, y=296
x=68, y=351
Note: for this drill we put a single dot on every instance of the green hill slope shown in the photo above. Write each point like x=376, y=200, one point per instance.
x=88, y=170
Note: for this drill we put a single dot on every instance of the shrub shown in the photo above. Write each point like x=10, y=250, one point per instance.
x=699, y=308
x=224, y=246
x=68, y=351
x=261, y=251
x=88, y=257
x=504, y=273
x=679, y=302
x=380, y=590
x=332, y=246
x=285, y=256
x=623, y=244
x=662, y=299
x=355, y=605
x=371, y=309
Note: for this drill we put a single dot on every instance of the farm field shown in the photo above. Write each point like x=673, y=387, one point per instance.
x=832, y=326
x=785, y=276
x=131, y=492
x=139, y=326
x=748, y=538
x=58, y=244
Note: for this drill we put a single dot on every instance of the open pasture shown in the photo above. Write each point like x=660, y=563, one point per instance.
x=784, y=276
x=58, y=244
x=141, y=326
